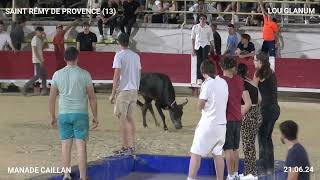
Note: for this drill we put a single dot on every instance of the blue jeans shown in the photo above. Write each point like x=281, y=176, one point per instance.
x=269, y=48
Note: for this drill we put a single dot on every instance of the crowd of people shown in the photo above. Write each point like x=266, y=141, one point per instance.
x=250, y=105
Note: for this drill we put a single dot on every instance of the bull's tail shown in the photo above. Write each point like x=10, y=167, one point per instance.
x=139, y=103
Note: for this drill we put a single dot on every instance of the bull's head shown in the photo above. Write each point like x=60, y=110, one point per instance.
x=176, y=112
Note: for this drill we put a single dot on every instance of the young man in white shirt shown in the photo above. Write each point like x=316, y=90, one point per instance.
x=38, y=43
x=210, y=133
x=126, y=81
x=202, y=42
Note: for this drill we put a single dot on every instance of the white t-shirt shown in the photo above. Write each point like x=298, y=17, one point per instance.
x=215, y=92
x=129, y=63
x=38, y=43
x=4, y=40
x=202, y=35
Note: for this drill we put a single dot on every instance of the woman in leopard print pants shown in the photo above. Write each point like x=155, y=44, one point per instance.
x=251, y=122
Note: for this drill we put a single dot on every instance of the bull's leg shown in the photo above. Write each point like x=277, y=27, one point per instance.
x=152, y=113
x=145, y=107
x=162, y=116
x=144, y=112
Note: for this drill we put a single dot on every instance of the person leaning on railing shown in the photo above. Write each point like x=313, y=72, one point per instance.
x=131, y=9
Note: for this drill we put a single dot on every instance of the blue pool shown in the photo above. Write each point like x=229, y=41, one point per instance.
x=153, y=167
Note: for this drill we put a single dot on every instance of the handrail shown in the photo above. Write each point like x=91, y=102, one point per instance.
x=255, y=1
x=238, y=13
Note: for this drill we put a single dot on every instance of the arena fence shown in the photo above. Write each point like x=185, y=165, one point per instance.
x=298, y=75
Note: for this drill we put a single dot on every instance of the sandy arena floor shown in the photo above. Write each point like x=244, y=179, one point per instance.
x=26, y=139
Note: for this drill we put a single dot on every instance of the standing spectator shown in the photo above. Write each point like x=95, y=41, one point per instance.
x=126, y=81
x=38, y=44
x=270, y=32
x=217, y=40
x=297, y=156
x=232, y=41
x=202, y=8
x=131, y=9
x=245, y=48
x=202, y=38
x=17, y=33
x=210, y=133
x=280, y=43
x=86, y=40
x=58, y=43
x=74, y=93
x=108, y=19
x=251, y=122
x=5, y=39
x=234, y=109
x=266, y=80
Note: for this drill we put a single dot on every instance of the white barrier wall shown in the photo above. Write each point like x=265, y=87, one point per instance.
x=299, y=42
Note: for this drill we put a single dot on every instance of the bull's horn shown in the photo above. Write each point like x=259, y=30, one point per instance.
x=186, y=102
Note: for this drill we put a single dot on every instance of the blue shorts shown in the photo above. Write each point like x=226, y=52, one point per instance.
x=73, y=125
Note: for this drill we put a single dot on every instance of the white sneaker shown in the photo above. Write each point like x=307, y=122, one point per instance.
x=306, y=21
x=248, y=177
x=101, y=38
x=230, y=178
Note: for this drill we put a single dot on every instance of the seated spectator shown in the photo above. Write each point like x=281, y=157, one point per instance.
x=171, y=18
x=226, y=7
x=202, y=8
x=5, y=39
x=232, y=41
x=86, y=40
x=93, y=4
x=256, y=20
x=130, y=11
x=108, y=19
x=17, y=33
x=245, y=48
x=157, y=16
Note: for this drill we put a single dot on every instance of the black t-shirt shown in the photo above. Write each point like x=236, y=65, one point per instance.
x=269, y=90
x=246, y=50
x=86, y=41
x=253, y=91
x=129, y=8
x=298, y=159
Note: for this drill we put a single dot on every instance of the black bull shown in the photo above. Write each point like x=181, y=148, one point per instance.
x=158, y=87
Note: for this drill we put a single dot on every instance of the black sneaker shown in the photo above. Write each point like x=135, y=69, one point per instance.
x=129, y=151
x=120, y=151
